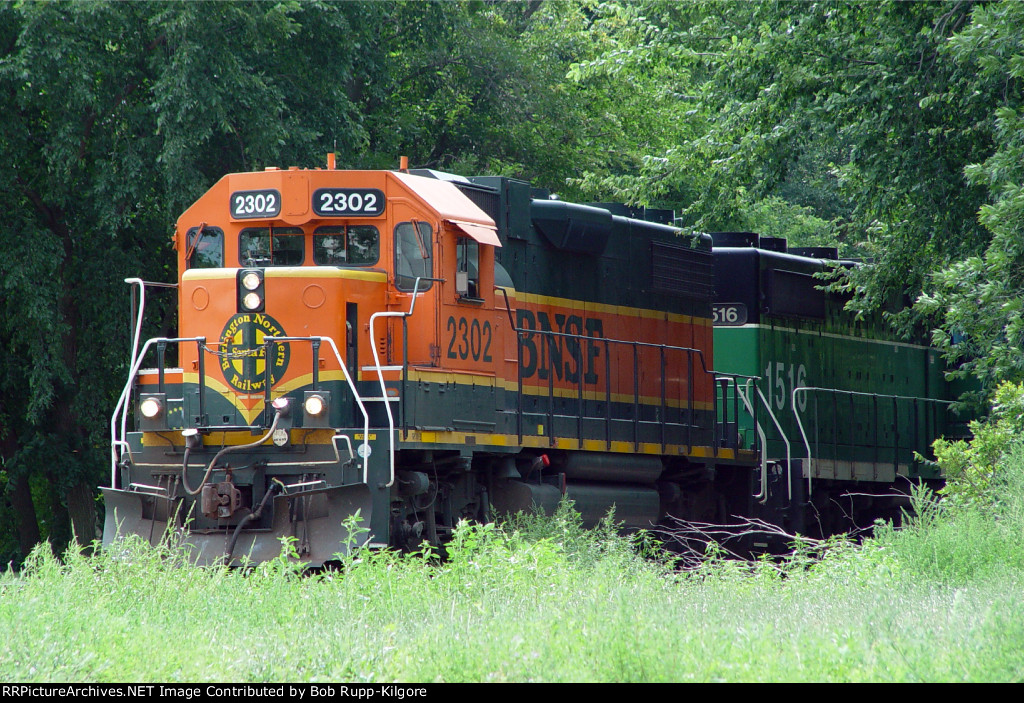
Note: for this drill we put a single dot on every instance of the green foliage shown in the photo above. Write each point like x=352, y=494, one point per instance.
x=979, y=300
x=892, y=130
x=856, y=111
x=976, y=468
x=965, y=537
x=565, y=527
x=799, y=225
x=972, y=532
x=637, y=82
x=120, y=114
x=510, y=606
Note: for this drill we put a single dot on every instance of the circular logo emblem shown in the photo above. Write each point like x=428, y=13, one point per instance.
x=244, y=356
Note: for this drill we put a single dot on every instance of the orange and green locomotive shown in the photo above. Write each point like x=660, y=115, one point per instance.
x=419, y=348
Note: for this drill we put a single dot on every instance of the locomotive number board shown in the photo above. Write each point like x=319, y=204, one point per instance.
x=348, y=202
x=255, y=204
x=729, y=314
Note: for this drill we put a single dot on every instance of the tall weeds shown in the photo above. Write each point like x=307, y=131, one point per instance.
x=541, y=599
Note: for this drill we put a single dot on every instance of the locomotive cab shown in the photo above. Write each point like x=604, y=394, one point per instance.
x=294, y=296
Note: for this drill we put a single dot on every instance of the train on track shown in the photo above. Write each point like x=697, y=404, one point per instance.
x=418, y=348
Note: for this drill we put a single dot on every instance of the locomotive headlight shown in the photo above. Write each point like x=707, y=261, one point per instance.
x=150, y=408
x=314, y=404
x=250, y=288
x=316, y=408
x=251, y=301
x=281, y=408
x=154, y=412
x=251, y=280
x=282, y=405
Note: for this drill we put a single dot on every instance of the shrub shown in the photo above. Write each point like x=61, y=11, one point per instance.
x=973, y=468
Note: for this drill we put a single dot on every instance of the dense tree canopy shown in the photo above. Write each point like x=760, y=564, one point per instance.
x=891, y=129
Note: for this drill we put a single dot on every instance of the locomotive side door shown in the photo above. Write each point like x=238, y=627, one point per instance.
x=415, y=254
x=470, y=329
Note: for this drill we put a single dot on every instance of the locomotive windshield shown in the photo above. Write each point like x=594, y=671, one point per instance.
x=353, y=245
x=413, y=254
x=271, y=246
x=205, y=248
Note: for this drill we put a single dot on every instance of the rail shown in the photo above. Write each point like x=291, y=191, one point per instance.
x=121, y=408
x=689, y=357
x=136, y=319
x=119, y=418
x=404, y=368
x=800, y=392
x=136, y=333
x=762, y=496
x=315, y=342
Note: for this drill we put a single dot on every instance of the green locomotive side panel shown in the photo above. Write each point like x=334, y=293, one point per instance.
x=862, y=434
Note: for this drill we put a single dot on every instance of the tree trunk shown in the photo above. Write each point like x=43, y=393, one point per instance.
x=59, y=533
x=24, y=514
x=81, y=500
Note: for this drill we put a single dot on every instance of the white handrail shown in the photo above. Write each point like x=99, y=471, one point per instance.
x=808, y=389
x=135, y=338
x=380, y=373
x=359, y=402
x=121, y=409
x=138, y=319
x=803, y=433
x=763, y=495
x=384, y=390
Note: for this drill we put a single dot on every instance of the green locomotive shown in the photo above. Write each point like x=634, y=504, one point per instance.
x=844, y=408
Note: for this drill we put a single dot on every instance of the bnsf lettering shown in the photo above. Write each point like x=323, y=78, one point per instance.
x=543, y=354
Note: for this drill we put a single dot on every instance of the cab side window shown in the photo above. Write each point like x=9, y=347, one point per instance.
x=467, y=268
x=271, y=246
x=413, y=255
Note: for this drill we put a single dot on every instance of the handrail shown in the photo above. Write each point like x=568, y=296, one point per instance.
x=136, y=335
x=348, y=379
x=606, y=341
x=121, y=408
x=762, y=497
x=137, y=332
x=836, y=391
x=635, y=345
x=380, y=371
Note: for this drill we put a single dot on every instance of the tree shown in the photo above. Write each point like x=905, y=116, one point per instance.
x=824, y=103
x=117, y=115
x=980, y=299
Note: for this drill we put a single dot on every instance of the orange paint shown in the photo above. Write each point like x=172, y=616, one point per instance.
x=451, y=330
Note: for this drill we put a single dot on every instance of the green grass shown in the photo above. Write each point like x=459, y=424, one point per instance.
x=966, y=539
x=539, y=600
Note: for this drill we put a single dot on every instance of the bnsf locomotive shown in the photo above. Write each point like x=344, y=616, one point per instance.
x=418, y=348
